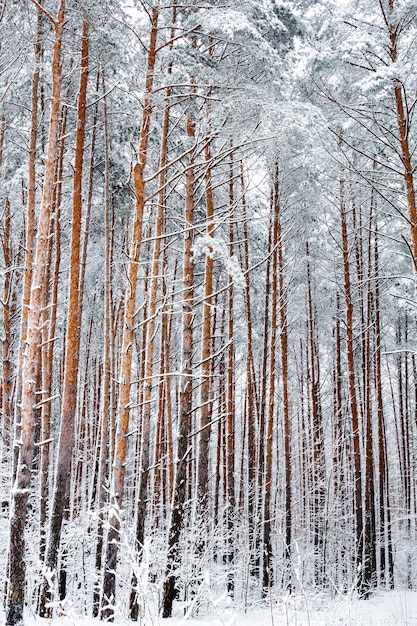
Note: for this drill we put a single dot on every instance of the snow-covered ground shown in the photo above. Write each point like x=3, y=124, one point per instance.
x=383, y=609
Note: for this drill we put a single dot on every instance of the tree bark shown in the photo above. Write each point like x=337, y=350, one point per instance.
x=206, y=379
x=403, y=119
x=230, y=401
x=179, y=504
x=72, y=338
x=369, y=564
x=30, y=366
x=252, y=436
x=104, y=446
x=355, y=433
x=386, y=557
x=150, y=340
x=30, y=229
x=317, y=435
x=7, y=340
x=285, y=410
x=267, y=570
x=123, y=409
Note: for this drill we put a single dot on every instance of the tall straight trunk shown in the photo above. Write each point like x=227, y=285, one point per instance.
x=263, y=384
x=150, y=330
x=7, y=367
x=304, y=427
x=220, y=469
x=30, y=366
x=163, y=483
x=85, y=467
x=286, y=424
x=87, y=219
x=30, y=227
x=267, y=572
x=386, y=556
x=317, y=434
x=250, y=406
x=369, y=565
x=165, y=369
x=403, y=117
x=206, y=379
x=80, y=500
x=72, y=338
x=104, y=447
x=404, y=435
x=340, y=450
x=165, y=413
x=179, y=504
x=230, y=401
x=2, y=135
x=50, y=310
x=69, y=393
x=264, y=413
x=143, y=431
x=337, y=466
x=128, y=337
x=355, y=433
x=357, y=230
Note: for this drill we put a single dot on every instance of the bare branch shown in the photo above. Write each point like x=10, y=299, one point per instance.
x=44, y=11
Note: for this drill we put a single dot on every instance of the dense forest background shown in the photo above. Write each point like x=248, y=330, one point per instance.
x=208, y=308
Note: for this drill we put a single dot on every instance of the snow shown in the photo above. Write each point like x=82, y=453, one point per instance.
x=394, y=608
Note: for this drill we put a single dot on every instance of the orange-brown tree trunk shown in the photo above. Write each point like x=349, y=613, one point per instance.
x=369, y=533
x=72, y=338
x=150, y=333
x=355, y=433
x=206, y=340
x=230, y=400
x=128, y=337
x=7, y=339
x=386, y=556
x=104, y=444
x=267, y=571
x=403, y=120
x=30, y=366
x=50, y=308
x=186, y=394
x=317, y=436
x=30, y=224
x=250, y=412
x=286, y=424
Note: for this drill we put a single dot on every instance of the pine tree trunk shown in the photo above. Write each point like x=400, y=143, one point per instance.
x=357, y=485
x=30, y=366
x=72, y=339
x=206, y=382
x=50, y=306
x=285, y=410
x=179, y=505
x=267, y=571
x=149, y=345
x=30, y=229
x=7, y=339
x=403, y=117
x=252, y=436
x=369, y=565
x=128, y=338
x=230, y=401
x=317, y=434
x=340, y=451
x=386, y=557
x=104, y=445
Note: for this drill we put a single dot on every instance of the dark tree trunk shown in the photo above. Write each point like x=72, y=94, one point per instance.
x=185, y=401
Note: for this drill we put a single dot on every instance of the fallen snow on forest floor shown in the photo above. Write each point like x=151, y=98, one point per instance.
x=397, y=608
